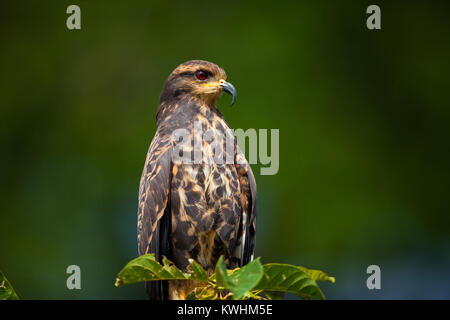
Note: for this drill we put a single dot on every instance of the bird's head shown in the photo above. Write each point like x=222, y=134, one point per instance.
x=200, y=79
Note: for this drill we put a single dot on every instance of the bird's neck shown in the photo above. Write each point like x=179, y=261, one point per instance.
x=180, y=112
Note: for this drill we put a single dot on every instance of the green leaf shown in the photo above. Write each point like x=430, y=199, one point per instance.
x=274, y=295
x=6, y=290
x=288, y=278
x=317, y=275
x=221, y=273
x=241, y=281
x=206, y=293
x=197, y=272
x=170, y=271
x=146, y=268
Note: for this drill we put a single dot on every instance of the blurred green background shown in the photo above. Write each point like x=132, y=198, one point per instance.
x=364, y=135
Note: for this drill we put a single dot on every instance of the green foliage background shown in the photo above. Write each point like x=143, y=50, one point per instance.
x=363, y=118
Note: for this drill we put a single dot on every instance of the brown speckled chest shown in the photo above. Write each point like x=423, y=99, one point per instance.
x=206, y=200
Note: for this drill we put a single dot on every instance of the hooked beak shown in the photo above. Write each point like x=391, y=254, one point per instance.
x=229, y=88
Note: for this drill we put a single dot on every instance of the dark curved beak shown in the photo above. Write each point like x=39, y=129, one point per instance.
x=229, y=88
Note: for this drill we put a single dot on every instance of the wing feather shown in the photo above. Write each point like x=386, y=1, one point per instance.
x=154, y=208
x=249, y=212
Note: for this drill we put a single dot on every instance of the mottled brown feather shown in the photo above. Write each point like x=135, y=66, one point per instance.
x=194, y=211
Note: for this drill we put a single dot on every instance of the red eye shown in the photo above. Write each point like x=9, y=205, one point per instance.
x=201, y=75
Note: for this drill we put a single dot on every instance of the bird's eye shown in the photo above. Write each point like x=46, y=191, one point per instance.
x=201, y=75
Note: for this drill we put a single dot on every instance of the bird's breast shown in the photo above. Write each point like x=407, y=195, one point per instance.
x=204, y=194
x=205, y=197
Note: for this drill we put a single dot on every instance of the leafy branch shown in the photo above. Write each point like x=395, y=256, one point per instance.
x=6, y=290
x=253, y=281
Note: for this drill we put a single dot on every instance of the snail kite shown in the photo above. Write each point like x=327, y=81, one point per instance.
x=192, y=209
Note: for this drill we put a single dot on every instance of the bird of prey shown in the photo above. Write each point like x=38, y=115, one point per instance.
x=195, y=209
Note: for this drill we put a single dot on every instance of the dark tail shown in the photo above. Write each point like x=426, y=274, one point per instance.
x=157, y=290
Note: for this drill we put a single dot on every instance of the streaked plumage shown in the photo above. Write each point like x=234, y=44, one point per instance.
x=199, y=210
